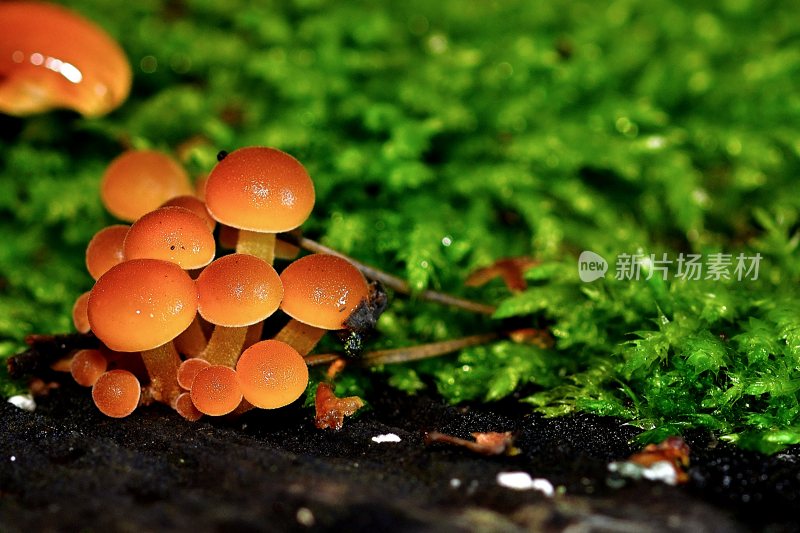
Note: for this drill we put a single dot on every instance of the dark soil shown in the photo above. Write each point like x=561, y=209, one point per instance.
x=66, y=467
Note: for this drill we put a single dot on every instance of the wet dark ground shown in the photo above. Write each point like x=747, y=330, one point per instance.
x=66, y=467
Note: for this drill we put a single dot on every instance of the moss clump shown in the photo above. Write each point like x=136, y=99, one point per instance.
x=442, y=139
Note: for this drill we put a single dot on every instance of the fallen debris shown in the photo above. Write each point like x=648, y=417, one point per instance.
x=330, y=410
x=490, y=443
x=523, y=481
x=388, y=437
x=665, y=462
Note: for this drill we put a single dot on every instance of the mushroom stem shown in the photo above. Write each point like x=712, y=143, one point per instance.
x=393, y=282
x=192, y=341
x=409, y=353
x=261, y=245
x=225, y=345
x=253, y=334
x=162, y=366
x=299, y=336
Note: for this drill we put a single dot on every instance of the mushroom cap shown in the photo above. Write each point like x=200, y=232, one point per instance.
x=87, y=366
x=173, y=234
x=238, y=290
x=188, y=371
x=260, y=189
x=51, y=57
x=80, y=316
x=322, y=290
x=139, y=181
x=271, y=374
x=195, y=205
x=142, y=304
x=215, y=391
x=105, y=249
x=116, y=393
x=185, y=408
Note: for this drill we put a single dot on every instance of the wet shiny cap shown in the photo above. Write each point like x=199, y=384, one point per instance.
x=215, y=391
x=173, y=234
x=139, y=181
x=260, y=189
x=322, y=290
x=116, y=393
x=51, y=57
x=238, y=290
x=141, y=304
x=271, y=374
x=105, y=249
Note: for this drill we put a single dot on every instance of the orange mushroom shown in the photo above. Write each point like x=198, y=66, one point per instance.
x=215, y=391
x=195, y=205
x=173, y=234
x=261, y=191
x=140, y=306
x=186, y=408
x=235, y=291
x=271, y=374
x=138, y=181
x=117, y=393
x=51, y=57
x=105, y=249
x=320, y=293
x=80, y=316
x=188, y=371
x=87, y=366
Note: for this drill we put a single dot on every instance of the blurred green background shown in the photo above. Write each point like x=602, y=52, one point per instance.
x=444, y=136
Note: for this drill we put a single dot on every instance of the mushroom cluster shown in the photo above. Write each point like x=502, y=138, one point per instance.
x=181, y=324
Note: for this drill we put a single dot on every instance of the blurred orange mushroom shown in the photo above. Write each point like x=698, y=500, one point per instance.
x=51, y=57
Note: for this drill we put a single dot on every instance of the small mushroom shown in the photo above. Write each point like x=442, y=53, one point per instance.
x=138, y=181
x=235, y=292
x=271, y=374
x=261, y=191
x=215, y=391
x=87, y=366
x=185, y=408
x=80, y=313
x=173, y=234
x=117, y=393
x=141, y=306
x=105, y=249
x=321, y=291
x=195, y=205
x=188, y=370
x=51, y=57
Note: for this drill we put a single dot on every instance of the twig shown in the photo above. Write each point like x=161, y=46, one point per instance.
x=408, y=353
x=393, y=282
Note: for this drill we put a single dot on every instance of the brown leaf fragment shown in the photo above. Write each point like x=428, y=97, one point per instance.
x=511, y=270
x=489, y=443
x=330, y=410
x=537, y=337
x=672, y=452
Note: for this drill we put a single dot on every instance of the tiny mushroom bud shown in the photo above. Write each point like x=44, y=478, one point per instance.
x=320, y=293
x=271, y=374
x=140, y=306
x=236, y=291
x=188, y=371
x=117, y=393
x=173, y=234
x=261, y=191
x=185, y=408
x=138, y=181
x=80, y=314
x=195, y=205
x=87, y=366
x=215, y=391
x=105, y=249
x=51, y=57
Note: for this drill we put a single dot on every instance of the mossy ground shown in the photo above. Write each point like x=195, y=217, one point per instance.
x=442, y=138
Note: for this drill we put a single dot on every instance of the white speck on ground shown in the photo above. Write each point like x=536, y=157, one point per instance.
x=523, y=481
x=389, y=437
x=305, y=517
x=663, y=471
x=24, y=402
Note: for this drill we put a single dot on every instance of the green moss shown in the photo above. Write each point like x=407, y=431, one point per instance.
x=441, y=139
